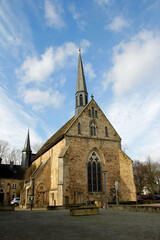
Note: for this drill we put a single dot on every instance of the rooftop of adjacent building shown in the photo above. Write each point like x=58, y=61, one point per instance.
x=11, y=171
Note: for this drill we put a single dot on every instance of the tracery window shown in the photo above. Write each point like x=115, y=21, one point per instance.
x=94, y=173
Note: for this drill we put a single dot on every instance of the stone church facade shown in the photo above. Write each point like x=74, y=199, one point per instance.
x=69, y=167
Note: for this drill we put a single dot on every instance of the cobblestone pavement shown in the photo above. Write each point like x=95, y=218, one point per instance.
x=57, y=225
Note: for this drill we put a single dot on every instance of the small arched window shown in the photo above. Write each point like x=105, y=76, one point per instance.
x=89, y=112
x=81, y=100
x=96, y=114
x=106, y=131
x=79, y=128
x=92, y=111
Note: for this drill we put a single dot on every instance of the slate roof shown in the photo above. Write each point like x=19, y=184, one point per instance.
x=55, y=138
x=15, y=172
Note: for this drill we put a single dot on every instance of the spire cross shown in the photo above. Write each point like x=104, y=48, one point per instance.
x=92, y=96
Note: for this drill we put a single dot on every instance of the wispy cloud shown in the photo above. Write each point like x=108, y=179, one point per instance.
x=77, y=16
x=53, y=14
x=102, y=2
x=40, y=99
x=14, y=37
x=89, y=71
x=12, y=114
x=117, y=24
x=136, y=118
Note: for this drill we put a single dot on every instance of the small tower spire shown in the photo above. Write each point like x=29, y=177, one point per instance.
x=27, y=146
x=81, y=91
x=26, y=153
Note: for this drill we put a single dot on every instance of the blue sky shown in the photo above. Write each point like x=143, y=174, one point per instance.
x=120, y=41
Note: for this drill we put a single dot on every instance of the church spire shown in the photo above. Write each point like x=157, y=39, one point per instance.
x=81, y=91
x=26, y=153
x=27, y=146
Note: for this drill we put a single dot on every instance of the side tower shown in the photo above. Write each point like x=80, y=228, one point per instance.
x=26, y=153
x=81, y=91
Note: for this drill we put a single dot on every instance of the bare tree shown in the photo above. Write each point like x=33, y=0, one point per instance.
x=152, y=176
x=4, y=149
x=147, y=174
x=8, y=154
x=139, y=170
x=37, y=146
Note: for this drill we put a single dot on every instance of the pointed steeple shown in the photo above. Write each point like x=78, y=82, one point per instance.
x=81, y=83
x=81, y=91
x=26, y=153
x=27, y=146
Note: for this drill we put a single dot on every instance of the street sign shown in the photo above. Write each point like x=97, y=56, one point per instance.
x=31, y=198
x=116, y=185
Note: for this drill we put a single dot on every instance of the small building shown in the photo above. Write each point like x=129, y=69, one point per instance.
x=69, y=167
x=11, y=182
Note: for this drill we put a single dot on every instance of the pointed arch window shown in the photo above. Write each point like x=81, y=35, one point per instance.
x=96, y=114
x=106, y=131
x=92, y=129
x=89, y=112
x=92, y=111
x=94, y=173
x=81, y=100
x=79, y=128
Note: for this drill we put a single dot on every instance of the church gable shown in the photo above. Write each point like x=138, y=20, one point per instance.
x=91, y=122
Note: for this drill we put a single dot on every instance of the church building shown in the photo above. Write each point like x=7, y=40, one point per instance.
x=69, y=167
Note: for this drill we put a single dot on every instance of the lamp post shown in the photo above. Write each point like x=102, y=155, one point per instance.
x=104, y=172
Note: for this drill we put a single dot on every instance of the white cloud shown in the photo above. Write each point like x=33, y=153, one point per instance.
x=134, y=77
x=117, y=24
x=102, y=2
x=40, y=99
x=89, y=71
x=53, y=11
x=135, y=62
x=77, y=16
x=39, y=70
x=15, y=122
x=34, y=69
